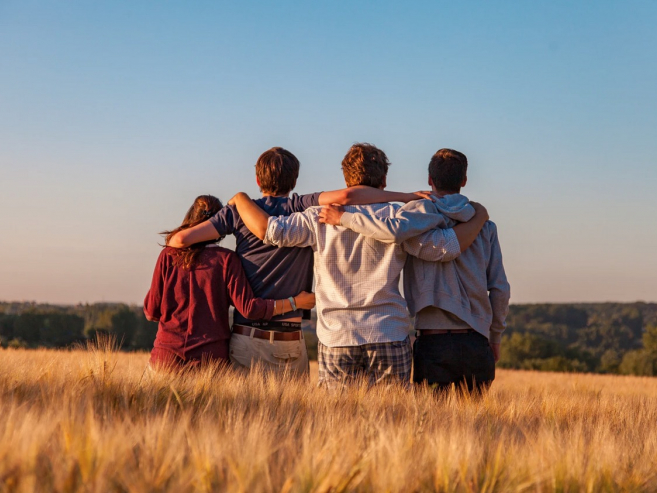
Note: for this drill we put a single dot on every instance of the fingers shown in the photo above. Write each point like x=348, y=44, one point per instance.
x=425, y=194
x=330, y=214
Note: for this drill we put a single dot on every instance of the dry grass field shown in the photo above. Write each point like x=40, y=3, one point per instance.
x=95, y=421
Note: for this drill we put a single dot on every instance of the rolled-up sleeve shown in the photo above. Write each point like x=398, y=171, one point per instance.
x=436, y=245
x=295, y=230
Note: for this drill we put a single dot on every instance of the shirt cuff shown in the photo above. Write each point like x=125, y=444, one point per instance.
x=270, y=238
x=269, y=312
x=346, y=219
x=495, y=337
x=452, y=245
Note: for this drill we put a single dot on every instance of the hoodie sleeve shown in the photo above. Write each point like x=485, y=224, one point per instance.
x=499, y=291
x=436, y=245
x=410, y=220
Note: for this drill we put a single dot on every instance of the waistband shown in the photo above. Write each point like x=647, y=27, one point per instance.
x=433, y=332
x=277, y=325
x=271, y=335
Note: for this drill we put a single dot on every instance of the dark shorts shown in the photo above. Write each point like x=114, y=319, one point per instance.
x=465, y=360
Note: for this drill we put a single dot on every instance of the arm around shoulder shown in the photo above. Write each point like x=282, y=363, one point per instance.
x=361, y=194
x=197, y=234
x=408, y=221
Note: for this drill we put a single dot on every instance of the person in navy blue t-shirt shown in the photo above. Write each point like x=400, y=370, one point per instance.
x=276, y=344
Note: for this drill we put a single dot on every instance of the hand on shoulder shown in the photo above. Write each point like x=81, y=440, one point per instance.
x=331, y=214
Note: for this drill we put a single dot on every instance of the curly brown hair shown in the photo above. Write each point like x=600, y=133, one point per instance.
x=365, y=164
x=277, y=170
x=203, y=208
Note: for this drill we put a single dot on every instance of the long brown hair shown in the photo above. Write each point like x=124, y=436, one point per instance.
x=203, y=208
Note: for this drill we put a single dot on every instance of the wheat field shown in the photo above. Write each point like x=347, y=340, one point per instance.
x=94, y=421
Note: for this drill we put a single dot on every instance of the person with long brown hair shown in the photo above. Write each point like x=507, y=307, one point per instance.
x=192, y=290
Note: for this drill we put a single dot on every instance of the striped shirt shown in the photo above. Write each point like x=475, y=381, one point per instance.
x=357, y=278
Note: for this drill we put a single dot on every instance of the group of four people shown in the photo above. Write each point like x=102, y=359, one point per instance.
x=454, y=281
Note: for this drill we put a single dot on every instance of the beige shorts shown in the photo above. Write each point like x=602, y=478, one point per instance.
x=275, y=356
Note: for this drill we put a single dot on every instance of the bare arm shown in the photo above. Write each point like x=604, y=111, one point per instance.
x=253, y=216
x=187, y=237
x=362, y=194
x=468, y=232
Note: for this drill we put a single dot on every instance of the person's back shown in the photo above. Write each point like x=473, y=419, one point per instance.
x=459, y=307
x=191, y=304
x=357, y=278
x=460, y=287
x=272, y=272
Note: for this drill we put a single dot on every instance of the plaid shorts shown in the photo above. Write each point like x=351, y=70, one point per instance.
x=377, y=363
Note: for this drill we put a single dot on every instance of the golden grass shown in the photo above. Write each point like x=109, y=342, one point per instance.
x=95, y=421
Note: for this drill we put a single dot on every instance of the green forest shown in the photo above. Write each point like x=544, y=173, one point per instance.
x=589, y=337
x=32, y=325
x=616, y=338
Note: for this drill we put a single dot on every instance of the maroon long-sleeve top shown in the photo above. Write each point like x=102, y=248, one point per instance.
x=192, y=305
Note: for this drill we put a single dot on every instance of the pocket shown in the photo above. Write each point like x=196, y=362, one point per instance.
x=288, y=351
x=287, y=357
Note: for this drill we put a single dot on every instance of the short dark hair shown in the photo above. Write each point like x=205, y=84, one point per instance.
x=277, y=171
x=447, y=170
x=365, y=164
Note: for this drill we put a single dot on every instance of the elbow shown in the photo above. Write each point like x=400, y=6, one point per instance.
x=260, y=232
x=347, y=196
x=256, y=311
x=150, y=317
x=260, y=228
x=179, y=240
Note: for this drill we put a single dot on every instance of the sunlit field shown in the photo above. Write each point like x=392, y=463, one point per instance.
x=96, y=421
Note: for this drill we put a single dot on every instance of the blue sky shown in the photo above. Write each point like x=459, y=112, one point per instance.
x=115, y=115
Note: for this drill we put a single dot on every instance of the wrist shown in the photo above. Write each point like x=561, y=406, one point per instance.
x=346, y=218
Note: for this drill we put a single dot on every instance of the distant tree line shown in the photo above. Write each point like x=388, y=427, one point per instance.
x=616, y=338
x=32, y=325
x=598, y=337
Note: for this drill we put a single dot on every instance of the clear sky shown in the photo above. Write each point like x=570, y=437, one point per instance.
x=114, y=115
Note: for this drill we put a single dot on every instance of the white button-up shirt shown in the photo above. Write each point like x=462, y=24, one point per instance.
x=357, y=278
